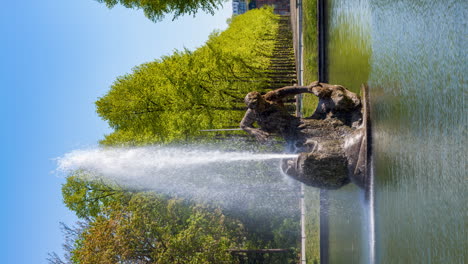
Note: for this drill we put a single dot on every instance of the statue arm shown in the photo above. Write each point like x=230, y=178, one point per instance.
x=279, y=94
x=247, y=125
x=337, y=93
x=321, y=89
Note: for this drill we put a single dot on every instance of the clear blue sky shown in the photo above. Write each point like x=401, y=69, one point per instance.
x=57, y=57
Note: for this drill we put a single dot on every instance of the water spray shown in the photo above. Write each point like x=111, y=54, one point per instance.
x=233, y=179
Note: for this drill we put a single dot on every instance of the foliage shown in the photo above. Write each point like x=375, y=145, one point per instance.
x=156, y=10
x=173, y=98
x=87, y=197
x=131, y=227
x=143, y=227
x=71, y=234
x=151, y=229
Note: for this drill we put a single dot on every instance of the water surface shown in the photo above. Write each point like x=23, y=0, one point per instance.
x=413, y=56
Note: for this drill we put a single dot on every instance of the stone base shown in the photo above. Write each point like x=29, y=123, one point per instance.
x=332, y=154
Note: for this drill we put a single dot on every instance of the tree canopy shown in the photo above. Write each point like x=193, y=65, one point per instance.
x=129, y=226
x=151, y=229
x=143, y=227
x=88, y=197
x=173, y=98
x=156, y=10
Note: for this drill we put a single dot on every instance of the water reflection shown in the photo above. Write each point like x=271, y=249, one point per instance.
x=412, y=54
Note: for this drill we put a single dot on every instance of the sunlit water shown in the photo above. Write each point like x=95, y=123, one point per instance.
x=229, y=179
x=413, y=55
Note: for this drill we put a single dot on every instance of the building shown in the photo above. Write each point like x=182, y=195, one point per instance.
x=281, y=7
x=239, y=7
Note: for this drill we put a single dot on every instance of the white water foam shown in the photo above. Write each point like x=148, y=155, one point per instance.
x=230, y=178
x=134, y=161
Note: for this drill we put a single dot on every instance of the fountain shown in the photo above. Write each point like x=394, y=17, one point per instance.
x=410, y=207
x=332, y=143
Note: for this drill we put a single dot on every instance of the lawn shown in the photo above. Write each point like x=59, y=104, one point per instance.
x=310, y=34
x=311, y=195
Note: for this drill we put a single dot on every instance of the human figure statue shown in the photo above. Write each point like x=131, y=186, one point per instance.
x=328, y=141
x=268, y=110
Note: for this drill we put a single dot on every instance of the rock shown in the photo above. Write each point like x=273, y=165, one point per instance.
x=325, y=167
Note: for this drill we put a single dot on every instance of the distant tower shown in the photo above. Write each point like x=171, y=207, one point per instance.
x=239, y=7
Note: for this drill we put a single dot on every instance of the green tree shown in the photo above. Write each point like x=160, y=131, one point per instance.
x=173, y=98
x=142, y=227
x=153, y=229
x=122, y=226
x=87, y=197
x=156, y=10
x=71, y=234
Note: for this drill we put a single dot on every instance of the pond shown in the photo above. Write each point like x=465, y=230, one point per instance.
x=412, y=55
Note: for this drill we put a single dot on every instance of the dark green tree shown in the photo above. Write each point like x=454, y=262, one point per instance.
x=149, y=228
x=157, y=9
x=121, y=226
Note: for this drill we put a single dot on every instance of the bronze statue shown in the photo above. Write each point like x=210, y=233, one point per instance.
x=329, y=142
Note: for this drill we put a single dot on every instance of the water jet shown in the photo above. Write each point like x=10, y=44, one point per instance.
x=231, y=179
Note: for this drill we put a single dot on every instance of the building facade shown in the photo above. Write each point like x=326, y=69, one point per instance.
x=239, y=7
x=281, y=7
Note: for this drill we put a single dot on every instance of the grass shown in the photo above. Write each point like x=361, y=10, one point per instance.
x=311, y=195
x=312, y=224
x=309, y=25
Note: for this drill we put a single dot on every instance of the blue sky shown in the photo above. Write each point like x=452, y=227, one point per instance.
x=57, y=57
